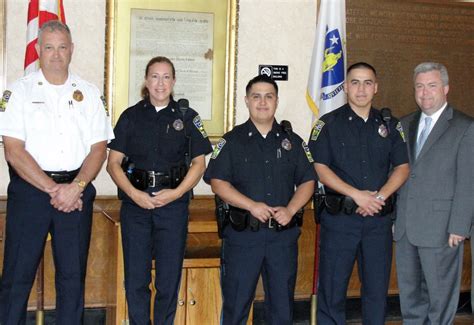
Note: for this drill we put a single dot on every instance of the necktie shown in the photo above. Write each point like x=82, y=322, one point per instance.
x=423, y=135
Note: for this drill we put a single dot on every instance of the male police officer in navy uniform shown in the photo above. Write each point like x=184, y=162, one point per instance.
x=255, y=168
x=354, y=151
x=55, y=127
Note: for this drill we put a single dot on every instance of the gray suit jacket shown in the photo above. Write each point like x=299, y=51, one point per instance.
x=438, y=197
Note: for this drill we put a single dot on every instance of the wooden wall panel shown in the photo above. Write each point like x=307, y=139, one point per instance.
x=394, y=36
x=103, y=267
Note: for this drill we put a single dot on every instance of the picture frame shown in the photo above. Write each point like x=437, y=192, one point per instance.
x=3, y=46
x=200, y=38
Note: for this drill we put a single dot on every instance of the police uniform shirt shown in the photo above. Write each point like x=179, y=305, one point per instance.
x=263, y=169
x=360, y=153
x=156, y=141
x=58, y=124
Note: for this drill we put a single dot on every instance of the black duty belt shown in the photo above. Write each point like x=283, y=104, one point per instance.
x=62, y=177
x=337, y=203
x=273, y=224
x=158, y=178
x=241, y=219
x=142, y=179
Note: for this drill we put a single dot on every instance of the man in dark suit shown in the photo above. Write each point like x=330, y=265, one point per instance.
x=434, y=210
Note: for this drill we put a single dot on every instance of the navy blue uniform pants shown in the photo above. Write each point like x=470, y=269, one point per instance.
x=246, y=255
x=345, y=238
x=158, y=234
x=30, y=217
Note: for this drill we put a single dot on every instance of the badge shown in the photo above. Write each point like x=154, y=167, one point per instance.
x=5, y=99
x=317, y=129
x=400, y=130
x=217, y=148
x=383, y=131
x=307, y=152
x=286, y=144
x=200, y=126
x=178, y=125
x=78, y=96
x=104, y=102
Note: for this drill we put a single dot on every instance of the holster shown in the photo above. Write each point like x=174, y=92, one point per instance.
x=239, y=219
x=319, y=205
x=222, y=215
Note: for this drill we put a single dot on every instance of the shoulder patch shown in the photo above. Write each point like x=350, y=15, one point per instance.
x=317, y=129
x=307, y=152
x=400, y=130
x=217, y=148
x=104, y=102
x=5, y=98
x=200, y=126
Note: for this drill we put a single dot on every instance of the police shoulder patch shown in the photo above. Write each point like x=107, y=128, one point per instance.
x=317, y=129
x=400, y=130
x=307, y=152
x=200, y=126
x=5, y=98
x=104, y=103
x=217, y=148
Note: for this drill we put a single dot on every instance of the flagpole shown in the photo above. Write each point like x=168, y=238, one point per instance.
x=325, y=87
x=314, y=296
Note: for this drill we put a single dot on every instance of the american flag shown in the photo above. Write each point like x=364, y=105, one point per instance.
x=39, y=12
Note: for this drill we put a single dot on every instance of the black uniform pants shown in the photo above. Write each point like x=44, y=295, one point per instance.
x=30, y=217
x=158, y=234
x=246, y=255
x=345, y=238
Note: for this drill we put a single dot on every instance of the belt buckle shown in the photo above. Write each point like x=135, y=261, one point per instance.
x=151, y=174
x=271, y=223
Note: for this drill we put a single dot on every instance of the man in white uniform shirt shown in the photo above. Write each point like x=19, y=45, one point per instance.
x=55, y=128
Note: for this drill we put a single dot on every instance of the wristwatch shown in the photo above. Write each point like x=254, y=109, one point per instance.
x=81, y=184
x=380, y=197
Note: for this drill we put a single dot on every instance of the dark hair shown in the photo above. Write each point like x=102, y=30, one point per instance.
x=52, y=26
x=361, y=65
x=157, y=59
x=261, y=78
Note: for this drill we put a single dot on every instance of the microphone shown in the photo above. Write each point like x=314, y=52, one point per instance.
x=386, y=117
x=286, y=125
x=183, y=105
x=386, y=114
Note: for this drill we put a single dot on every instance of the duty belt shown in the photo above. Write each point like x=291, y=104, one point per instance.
x=143, y=179
x=158, y=178
x=241, y=219
x=273, y=224
x=62, y=177
x=336, y=203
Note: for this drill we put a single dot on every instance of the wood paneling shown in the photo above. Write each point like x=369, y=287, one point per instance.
x=105, y=268
x=395, y=36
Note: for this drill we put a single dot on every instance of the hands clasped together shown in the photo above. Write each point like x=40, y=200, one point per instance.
x=65, y=197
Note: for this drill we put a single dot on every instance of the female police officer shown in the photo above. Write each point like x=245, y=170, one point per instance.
x=155, y=135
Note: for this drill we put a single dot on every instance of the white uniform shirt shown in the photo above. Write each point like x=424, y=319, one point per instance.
x=58, y=127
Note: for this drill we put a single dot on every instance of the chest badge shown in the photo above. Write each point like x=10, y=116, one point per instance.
x=286, y=144
x=178, y=125
x=383, y=131
x=78, y=96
